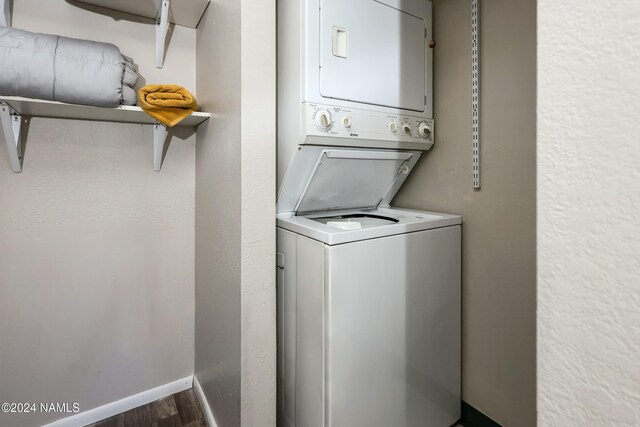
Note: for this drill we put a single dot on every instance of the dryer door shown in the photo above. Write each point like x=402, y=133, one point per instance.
x=372, y=53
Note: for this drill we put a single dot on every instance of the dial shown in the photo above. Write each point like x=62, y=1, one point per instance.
x=424, y=130
x=346, y=121
x=393, y=126
x=323, y=120
x=406, y=127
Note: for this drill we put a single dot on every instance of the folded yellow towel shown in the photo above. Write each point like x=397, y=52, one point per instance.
x=168, y=104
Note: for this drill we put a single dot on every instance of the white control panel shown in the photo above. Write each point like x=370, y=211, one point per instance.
x=355, y=124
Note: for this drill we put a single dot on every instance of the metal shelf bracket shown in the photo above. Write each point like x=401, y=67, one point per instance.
x=162, y=27
x=5, y=13
x=11, y=123
x=159, y=138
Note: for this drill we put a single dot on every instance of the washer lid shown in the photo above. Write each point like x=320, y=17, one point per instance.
x=330, y=179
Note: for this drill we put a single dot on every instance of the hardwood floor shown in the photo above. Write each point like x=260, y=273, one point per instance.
x=179, y=410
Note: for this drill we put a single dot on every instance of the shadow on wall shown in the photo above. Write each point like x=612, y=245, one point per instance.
x=117, y=15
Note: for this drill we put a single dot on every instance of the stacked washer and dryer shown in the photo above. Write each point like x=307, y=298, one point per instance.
x=368, y=294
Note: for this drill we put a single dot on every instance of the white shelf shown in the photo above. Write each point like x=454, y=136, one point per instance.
x=59, y=110
x=13, y=108
x=181, y=12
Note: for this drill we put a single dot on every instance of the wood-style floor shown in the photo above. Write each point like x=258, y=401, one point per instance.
x=179, y=410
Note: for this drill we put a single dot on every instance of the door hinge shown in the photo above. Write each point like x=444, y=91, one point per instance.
x=280, y=260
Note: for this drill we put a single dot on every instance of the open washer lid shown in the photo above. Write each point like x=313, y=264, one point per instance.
x=332, y=179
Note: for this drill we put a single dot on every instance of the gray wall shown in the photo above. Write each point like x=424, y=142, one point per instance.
x=588, y=213
x=96, y=249
x=499, y=221
x=218, y=196
x=235, y=211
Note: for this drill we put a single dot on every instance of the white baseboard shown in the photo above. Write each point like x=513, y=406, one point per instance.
x=204, y=404
x=123, y=405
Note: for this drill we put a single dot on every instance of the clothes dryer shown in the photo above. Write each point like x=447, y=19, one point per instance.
x=354, y=73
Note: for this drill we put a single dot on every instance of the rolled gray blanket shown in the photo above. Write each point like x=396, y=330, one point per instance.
x=64, y=69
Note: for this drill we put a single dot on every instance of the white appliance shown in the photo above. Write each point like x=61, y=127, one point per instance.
x=368, y=295
x=354, y=73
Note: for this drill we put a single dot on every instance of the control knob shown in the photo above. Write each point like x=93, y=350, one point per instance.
x=323, y=120
x=406, y=127
x=424, y=130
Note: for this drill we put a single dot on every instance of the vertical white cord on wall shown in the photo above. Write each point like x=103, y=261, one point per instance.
x=475, y=90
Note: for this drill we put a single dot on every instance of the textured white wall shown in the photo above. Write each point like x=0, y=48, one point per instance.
x=96, y=267
x=96, y=249
x=258, y=81
x=588, y=213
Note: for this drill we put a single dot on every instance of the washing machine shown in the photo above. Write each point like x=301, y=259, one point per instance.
x=368, y=294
